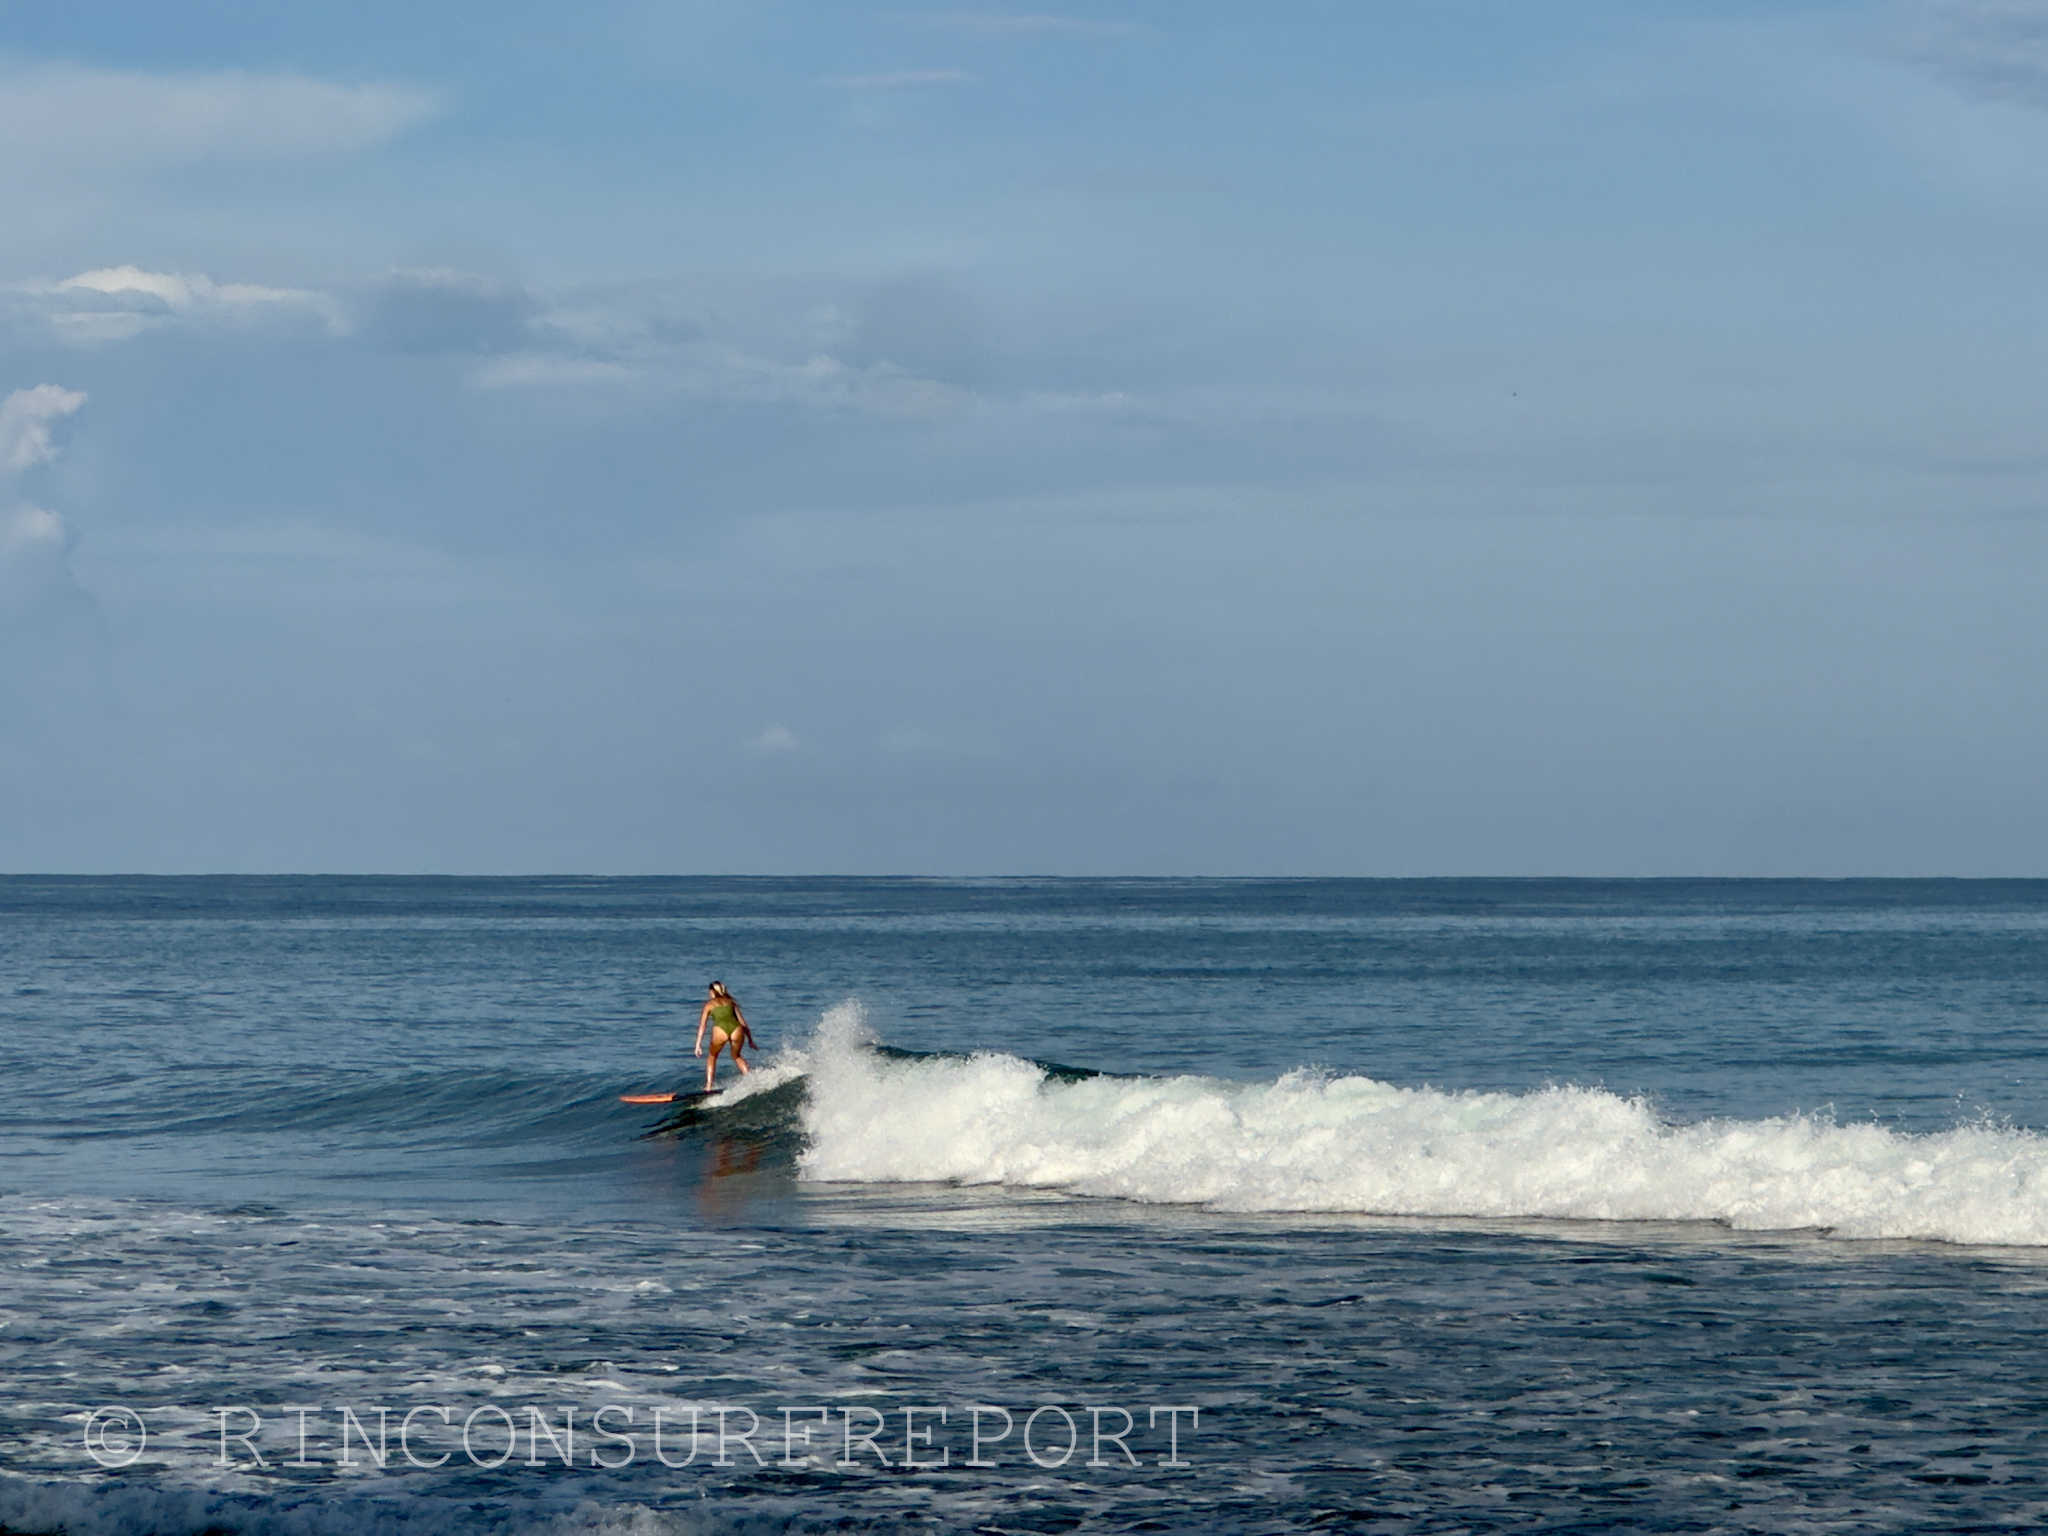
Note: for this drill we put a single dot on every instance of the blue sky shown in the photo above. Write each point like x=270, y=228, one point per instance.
x=1360, y=438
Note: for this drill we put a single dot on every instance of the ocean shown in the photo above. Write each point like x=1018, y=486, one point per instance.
x=1050, y=1205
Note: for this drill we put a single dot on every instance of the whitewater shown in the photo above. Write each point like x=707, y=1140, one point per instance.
x=1315, y=1142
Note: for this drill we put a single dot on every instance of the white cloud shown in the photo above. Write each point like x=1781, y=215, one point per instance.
x=1991, y=48
x=37, y=589
x=908, y=348
x=175, y=290
x=36, y=584
x=32, y=531
x=777, y=738
x=25, y=418
x=114, y=303
x=758, y=348
x=901, y=79
x=62, y=115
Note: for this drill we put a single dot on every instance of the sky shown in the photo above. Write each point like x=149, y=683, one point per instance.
x=1314, y=437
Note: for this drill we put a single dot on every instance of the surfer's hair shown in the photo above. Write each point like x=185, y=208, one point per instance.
x=718, y=989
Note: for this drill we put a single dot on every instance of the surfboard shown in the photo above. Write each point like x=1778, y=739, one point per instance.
x=661, y=1098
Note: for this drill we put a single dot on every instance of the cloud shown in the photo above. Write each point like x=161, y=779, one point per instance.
x=901, y=80
x=777, y=738
x=32, y=532
x=990, y=24
x=422, y=309
x=821, y=383
x=911, y=345
x=53, y=694
x=37, y=591
x=25, y=418
x=1996, y=49
x=35, y=569
x=825, y=382
x=115, y=303
x=71, y=116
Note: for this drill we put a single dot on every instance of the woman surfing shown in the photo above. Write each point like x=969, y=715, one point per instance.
x=728, y=1026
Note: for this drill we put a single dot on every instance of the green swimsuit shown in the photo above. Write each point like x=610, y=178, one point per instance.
x=725, y=1016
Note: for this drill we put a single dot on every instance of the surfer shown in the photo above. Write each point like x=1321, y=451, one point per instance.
x=728, y=1028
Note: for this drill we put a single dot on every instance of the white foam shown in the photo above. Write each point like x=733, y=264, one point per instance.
x=785, y=1066
x=1311, y=1143
x=79, y=1509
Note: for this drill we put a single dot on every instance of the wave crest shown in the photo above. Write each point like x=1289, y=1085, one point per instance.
x=1350, y=1144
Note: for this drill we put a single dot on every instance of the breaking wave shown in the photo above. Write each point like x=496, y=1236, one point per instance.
x=1316, y=1143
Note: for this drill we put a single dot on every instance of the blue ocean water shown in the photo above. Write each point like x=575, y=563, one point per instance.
x=1406, y=1206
